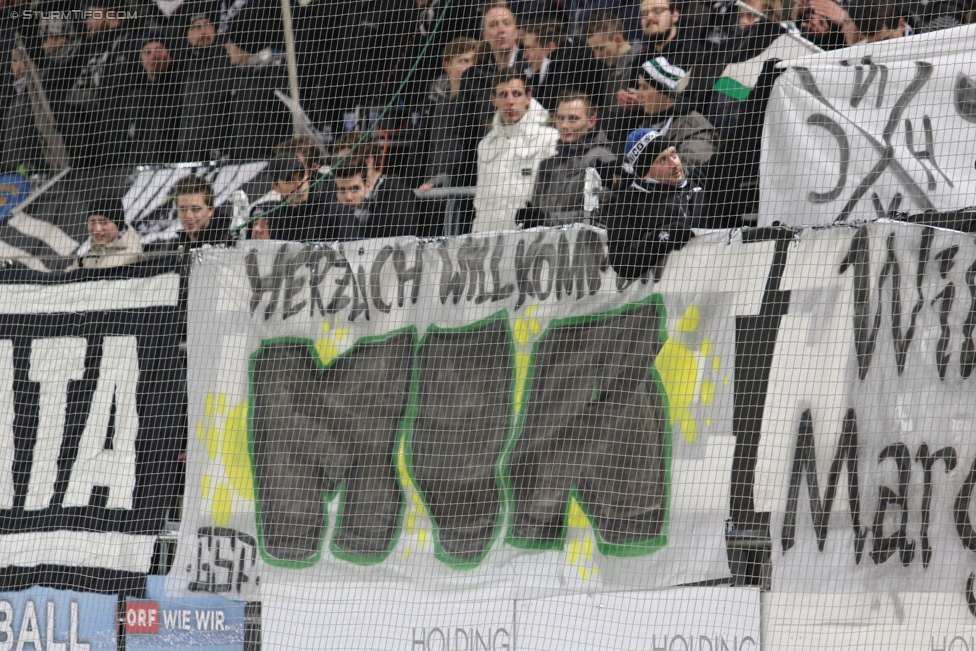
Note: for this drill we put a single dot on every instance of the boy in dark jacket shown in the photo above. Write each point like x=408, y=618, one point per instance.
x=652, y=214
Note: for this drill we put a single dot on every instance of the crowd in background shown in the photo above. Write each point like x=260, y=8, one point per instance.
x=555, y=111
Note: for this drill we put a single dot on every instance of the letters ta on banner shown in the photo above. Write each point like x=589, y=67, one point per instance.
x=91, y=427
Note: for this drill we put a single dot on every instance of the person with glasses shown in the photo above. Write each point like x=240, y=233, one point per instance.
x=194, y=198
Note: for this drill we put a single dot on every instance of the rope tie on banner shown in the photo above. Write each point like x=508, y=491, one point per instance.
x=386, y=109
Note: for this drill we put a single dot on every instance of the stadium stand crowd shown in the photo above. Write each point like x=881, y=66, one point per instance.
x=553, y=111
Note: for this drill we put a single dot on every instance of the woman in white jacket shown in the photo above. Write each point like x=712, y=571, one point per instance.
x=510, y=155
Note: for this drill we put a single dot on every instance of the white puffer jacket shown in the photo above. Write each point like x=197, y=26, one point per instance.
x=508, y=163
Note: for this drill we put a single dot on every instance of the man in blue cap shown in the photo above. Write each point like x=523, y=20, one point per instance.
x=653, y=213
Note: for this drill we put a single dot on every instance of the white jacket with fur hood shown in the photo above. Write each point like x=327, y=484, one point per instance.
x=508, y=163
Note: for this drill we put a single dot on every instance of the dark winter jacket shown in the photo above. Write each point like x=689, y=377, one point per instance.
x=150, y=119
x=217, y=232
x=260, y=119
x=22, y=143
x=570, y=67
x=315, y=220
x=92, y=101
x=388, y=211
x=646, y=221
x=558, y=192
x=205, y=105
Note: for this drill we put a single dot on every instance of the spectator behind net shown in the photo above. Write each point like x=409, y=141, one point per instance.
x=474, y=107
x=879, y=20
x=664, y=40
x=93, y=99
x=826, y=23
x=302, y=212
x=113, y=244
x=194, y=198
x=435, y=152
x=382, y=206
x=510, y=155
x=150, y=116
x=652, y=214
x=618, y=64
x=548, y=62
x=204, y=129
x=582, y=157
x=687, y=130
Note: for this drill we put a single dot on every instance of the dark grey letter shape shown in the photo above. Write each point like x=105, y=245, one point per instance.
x=844, y=145
x=594, y=419
x=923, y=72
x=314, y=429
x=965, y=98
x=463, y=415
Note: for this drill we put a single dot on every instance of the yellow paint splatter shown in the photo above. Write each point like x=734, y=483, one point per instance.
x=422, y=537
x=584, y=573
x=520, y=332
x=678, y=368
x=326, y=350
x=522, y=361
x=573, y=555
x=212, y=439
x=406, y=553
x=209, y=409
x=222, y=505
x=222, y=404
x=706, y=349
x=716, y=364
x=707, y=392
x=577, y=516
x=233, y=450
x=708, y=422
x=411, y=522
x=725, y=381
x=205, y=486
x=402, y=466
x=689, y=320
x=418, y=504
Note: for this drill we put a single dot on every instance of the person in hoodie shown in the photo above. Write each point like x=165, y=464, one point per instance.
x=582, y=154
x=150, y=115
x=112, y=243
x=510, y=155
x=653, y=213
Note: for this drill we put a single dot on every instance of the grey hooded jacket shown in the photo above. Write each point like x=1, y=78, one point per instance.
x=558, y=188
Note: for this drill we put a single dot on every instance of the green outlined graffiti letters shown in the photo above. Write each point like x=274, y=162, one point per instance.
x=315, y=431
x=595, y=428
x=464, y=405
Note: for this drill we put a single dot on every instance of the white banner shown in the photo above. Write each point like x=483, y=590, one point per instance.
x=855, y=134
x=416, y=347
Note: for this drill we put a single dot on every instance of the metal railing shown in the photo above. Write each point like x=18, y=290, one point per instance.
x=450, y=197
